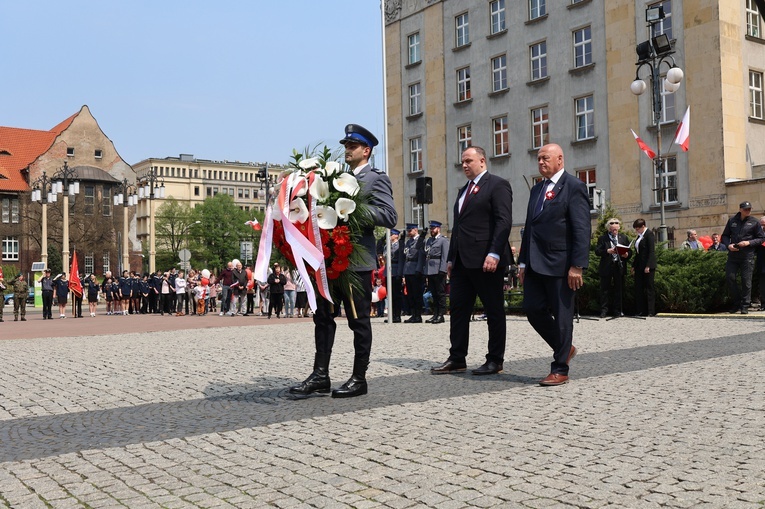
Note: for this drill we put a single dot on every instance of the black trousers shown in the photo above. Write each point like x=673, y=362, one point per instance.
x=276, y=303
x=466, y=284
x=326, y=312
x=397, y=296
x=645, y=293
x=47, y=300
x=611, y=288
x=414, y=293
x=740, y=296
x=549, y=305
x=437, y=285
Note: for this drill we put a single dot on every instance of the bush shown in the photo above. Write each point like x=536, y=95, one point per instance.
x=686, y=282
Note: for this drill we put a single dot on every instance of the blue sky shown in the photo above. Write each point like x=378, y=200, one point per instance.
x=237, y=80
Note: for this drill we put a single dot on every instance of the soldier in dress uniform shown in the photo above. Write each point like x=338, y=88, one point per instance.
x=411, y=271
x=396, y=288
x=20, y=291
x=433, y=262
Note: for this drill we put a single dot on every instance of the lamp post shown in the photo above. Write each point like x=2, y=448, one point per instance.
x=653, y=54
x=151, y=186
x=126, y=197
x=66, y=184
x=43, y=193
x=265, y=181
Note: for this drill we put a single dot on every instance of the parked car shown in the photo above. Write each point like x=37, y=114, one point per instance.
x=8, y=298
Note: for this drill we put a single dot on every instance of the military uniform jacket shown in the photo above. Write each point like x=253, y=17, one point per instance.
x=20, y=288
x=411, y=256
x=433, y=257
x=377, y=185
x=395, y=255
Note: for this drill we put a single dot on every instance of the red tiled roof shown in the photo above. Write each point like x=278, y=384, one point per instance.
x=60, y=128
x=19, y=148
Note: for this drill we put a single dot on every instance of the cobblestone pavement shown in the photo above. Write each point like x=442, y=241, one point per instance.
x=667, y=412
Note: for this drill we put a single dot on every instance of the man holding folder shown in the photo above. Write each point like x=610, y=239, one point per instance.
x=614, y=251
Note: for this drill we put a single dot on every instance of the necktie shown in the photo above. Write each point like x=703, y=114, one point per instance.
x=471, y=185
x=541, y=199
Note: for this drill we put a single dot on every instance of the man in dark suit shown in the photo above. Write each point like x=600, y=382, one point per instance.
x=612, y=267
x=478, y=254
x=358, y=143
x=554, y=252
x=411, y=271
x=644, y=268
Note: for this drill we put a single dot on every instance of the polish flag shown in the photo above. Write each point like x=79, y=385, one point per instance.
x=255, y=224
x=683, y=133
x=645, y=148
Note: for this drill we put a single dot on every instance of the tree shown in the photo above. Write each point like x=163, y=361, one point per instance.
x=173, y=223
x=221, y=228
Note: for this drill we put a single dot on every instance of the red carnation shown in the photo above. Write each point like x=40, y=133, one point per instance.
x=341, y=233
x=340, y=264
x=327, y=253
x=332, y=274
x=324, y=236
x=343, y=248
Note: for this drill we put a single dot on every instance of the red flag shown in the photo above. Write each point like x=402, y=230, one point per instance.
x=645, y=148
x=255, y=224
x=683, y=133
x=75, y=285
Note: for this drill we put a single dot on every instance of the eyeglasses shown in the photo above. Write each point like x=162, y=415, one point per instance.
x=614, y=222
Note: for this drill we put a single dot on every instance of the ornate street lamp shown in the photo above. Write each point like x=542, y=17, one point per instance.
x=42, y=192
x=151, y=186
x=66, y=183
x=265, y=184
x=127, y=197
x=652, y=55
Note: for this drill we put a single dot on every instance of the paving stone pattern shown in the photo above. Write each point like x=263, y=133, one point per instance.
x=660, y=413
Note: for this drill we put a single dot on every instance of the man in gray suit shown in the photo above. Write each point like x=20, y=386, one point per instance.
x=554, y=252
x=433, y=259
x=358, y=143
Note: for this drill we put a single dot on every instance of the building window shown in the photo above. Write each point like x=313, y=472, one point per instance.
x=582, y=47
x=501, y=139
x=89, y=264
x=105, y=261
x=752, y=19
x=414, y=99
x=15, y=210
x=670, y=181
x=6, y=210
x=538, y=54
x=540, y=127
x=663, y=26
x=10, y=249
x=667, y=104
x=70, y=151
x=414, y=48
x=585, y=118
x=196, y=190
x=106, y=202
x=246, y=194
x=90, y=200
x=588, y=177
x=755, y=94
x=208, y=191
x=98, y=154
x=461, y=30
x=498, y=16
x=464, y=139
x=537, y=8
x=416, y=210
x=10, y=210
x=215, y=191
x=499, y=73
x=463, y=84
x=415, y=155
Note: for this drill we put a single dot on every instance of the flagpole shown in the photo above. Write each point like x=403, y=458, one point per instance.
x=388, y=268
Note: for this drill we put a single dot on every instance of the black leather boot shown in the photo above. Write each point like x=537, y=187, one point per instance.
x=357, y=384
x=318, y=381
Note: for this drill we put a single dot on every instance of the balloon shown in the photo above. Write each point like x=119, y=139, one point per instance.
x=706, y=241
x=382, y=293
x=205, y=281
x=205, y=273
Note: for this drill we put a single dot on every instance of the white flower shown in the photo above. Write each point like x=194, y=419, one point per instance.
x=331, y=167
x=300, y=183
x=319, y=188
x=347, y=184
x=298, y=211
x=326, y=217
x=344, y=208
x=310, y=163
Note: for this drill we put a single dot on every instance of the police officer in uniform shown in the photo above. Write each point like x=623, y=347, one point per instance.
x=358, y=143
x=433, y=261
x=47, y=295
x=395, y=265
x=411, y=270
x=20, y=291
x=742, y=235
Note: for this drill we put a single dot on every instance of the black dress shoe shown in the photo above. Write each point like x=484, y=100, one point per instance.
x=431, y=319
x=449, y=367
x=603, y=314
x=413, y=319
x=355, y=386
x=439, y=319
x=488, y=368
